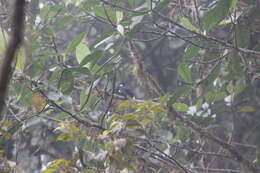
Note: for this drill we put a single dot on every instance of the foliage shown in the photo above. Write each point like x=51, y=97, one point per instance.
x=204, y=55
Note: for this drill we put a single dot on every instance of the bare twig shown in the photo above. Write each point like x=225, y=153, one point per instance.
x=164, y=158
x=82, y=121
x=206, y=37
x=232, y=150
x=212, y=170
x=111, y=100
x=209, y=153
x=124, y=8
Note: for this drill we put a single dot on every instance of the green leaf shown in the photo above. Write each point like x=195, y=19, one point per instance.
x=55, y=75
x=199, y=104
x=163, y=100
x=37, y=66
x=190, y=52
x=184, y=72
x=214, y=96
x=242, y=36
x=119, y=16
x=44, y=11
x=93, y=56
x=62, y=116
x=102, y=38
x=230, y=87
x=240, y=86
x=180, y=107
x=211, y=77
x=250, y=2
x=33, y=47
x=82, y=51
x=132, y=2
x=111, y=14
x=20, y=63
x=54, y=10
x=47, y=30
x=185, y=21
x=237, y=66
x=233, y=4
x=163, y=4
x=64, y=21
x=75, y=42
x=179, y=93
x=81, y=70
x=26, y=96
x=212, y=52
x=217, y=14
x=66, y=82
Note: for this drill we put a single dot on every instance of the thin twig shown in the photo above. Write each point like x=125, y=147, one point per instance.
x=212, y=170
x=84, y=122
x=164, y=159
x=124, y=8
x=111, y=100
x=232, y=150
x=206, y=37
x=209, y=153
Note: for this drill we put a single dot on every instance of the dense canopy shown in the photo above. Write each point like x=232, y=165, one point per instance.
x=130, y=86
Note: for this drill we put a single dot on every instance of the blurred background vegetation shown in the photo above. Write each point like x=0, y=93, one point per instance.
x=192, y=66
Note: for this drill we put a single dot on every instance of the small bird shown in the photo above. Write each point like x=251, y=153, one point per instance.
x=124, y=90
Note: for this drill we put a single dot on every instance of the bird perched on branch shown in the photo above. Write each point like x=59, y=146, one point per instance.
x=124, y=90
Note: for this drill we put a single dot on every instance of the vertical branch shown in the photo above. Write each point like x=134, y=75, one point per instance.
x=111, y=99
x=142, y=75
x=17, y=27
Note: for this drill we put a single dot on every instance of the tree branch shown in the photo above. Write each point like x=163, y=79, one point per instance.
x=17, y=28
x=232, y=150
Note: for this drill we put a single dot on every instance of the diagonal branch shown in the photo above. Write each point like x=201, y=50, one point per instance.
x=206, y=37
x=232, y=150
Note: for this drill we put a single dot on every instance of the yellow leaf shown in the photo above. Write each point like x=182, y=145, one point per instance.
x=130, y=117
x=124, y=104
x=157, y=109
x=61, y=126
x=39, y=101
x=5, y=133
x=145, y=122
x=133, y=124
x=114, y=124
x=6, y=123
x=73, y=128
x=114, y=117
x=106, y=132
x=164, y=99
x=247, y=109
x=65, y=137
